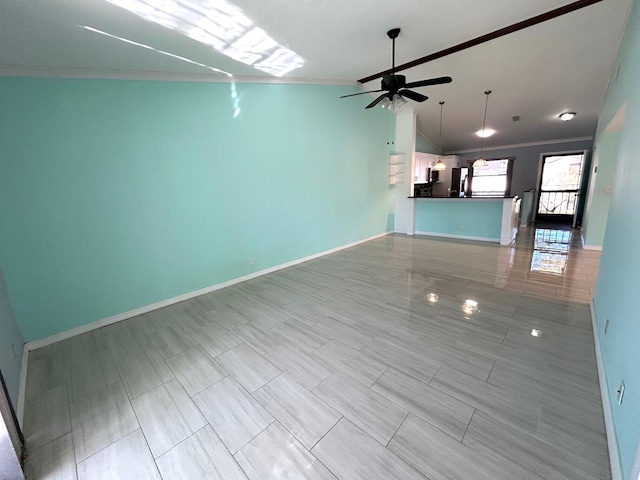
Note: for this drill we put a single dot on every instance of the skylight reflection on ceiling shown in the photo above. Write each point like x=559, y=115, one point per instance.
x=220, y=25
x=148, y=47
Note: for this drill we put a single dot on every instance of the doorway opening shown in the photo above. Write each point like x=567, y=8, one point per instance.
x=559, y=190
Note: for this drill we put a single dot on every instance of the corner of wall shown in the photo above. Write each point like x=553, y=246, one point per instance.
x=612, y=442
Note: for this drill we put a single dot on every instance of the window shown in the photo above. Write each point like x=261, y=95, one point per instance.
x=494, y=180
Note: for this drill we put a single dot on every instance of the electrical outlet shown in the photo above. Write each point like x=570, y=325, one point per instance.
x=252, y=261
x=606, y=326
x=620, y=392
x=15, y=350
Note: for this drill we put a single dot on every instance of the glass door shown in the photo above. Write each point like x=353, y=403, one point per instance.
x=559, y=188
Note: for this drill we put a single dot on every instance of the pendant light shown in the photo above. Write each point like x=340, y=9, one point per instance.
x=440, y=165
x=481, y=162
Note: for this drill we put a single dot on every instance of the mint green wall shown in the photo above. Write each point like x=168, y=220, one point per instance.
x=616, y=296
x=10, y=339
x=118, y=194
x=596, y=213
x=423, y=145
x=460, y=216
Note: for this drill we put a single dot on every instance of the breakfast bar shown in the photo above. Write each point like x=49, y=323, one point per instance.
x=488, y=219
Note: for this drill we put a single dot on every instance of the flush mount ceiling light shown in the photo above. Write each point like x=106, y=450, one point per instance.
x=432, y=297
x=481, y=162
x=485, y=133
x=566, y=116
x=440, y=164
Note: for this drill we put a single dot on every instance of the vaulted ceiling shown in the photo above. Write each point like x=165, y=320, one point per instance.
x=560, y=65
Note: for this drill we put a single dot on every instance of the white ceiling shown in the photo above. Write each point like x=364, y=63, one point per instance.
x=563, y=64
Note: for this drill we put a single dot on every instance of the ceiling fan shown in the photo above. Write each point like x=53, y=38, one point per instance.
x=396, y=86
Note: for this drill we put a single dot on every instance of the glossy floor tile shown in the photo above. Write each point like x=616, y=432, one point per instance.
x=127, y=459
x=100, y=419
x=373, y=413
x=403, y=357
x=202, y=455
x=359, y=366
x=53, y=461
x=441, y=457
x=248, y=367
x=444, y=411
x=234, y=414
x=303, y=368
x=167, y=416
x=275, y=454
x=302, y=413
x=49, y=417
x=196, y=370
x=351, y=454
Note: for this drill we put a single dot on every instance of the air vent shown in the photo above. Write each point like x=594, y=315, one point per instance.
x=516, y=118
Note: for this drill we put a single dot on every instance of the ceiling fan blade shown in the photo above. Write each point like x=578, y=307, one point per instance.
x=418, y=97
x=376, y=101
x=361, y=93
x=431, y=81
x=489, y=36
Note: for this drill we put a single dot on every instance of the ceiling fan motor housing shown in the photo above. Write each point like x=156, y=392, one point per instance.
x=393, y=82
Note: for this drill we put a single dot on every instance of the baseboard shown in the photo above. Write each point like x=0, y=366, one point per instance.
x=590, y=247
x=459, y=237
x=43, y=342
x=22, y=387
x=612, y=441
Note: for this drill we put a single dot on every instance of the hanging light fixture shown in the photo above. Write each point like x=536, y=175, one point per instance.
x=440, y=164
x=481, y=162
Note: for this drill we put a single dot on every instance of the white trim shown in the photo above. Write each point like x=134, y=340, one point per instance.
x=612, y=441
x=636, y=466
x=105, y=74
x=518, y=145
x=403, y=232
x=22, y=389
x=460, y=237
x=589, y=247
x=186, y=296
x=509, y=224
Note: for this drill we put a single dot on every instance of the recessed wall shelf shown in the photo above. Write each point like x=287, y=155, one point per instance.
x=397, y=168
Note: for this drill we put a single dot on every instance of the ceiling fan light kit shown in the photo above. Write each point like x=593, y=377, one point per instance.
x=396, y=87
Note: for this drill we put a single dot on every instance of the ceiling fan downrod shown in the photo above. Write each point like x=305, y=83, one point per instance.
x=393, y=34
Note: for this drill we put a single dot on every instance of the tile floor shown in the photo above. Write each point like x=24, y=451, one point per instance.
x=402, y=358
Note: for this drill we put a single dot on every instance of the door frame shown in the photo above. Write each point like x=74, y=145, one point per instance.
x=12, y=453
x=536, y=200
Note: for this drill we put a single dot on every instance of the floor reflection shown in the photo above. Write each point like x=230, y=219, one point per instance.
x=550, y=250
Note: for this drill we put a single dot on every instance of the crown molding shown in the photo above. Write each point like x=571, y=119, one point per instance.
x=517, y=145
x=107, y=74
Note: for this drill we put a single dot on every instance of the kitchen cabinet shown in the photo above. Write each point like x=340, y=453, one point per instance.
x=424, y=162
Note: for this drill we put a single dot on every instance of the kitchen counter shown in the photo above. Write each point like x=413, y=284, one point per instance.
x=488, y=219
